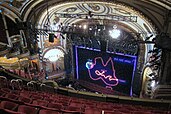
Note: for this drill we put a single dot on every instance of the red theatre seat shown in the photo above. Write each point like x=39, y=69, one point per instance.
x=27, y=109
x=114, y=112
x=6, y=90
x=24, y=99
x=8, y=105
x=55, y=106
x=12, y=96
x=142, y=112
x=40, y=102
x=92, y=111
x=3, y=82
x=44, y=111
x=6, y=111
x=36, y=97
x=73, y=108
x=2, y=93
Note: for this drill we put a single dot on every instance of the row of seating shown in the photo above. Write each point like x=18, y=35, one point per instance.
x=38, y=101
x=30, y=76
x=28, y=99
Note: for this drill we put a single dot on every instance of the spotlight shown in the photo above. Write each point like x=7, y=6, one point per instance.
x=153, y=83
x=46, y=77
x=85, y=27
x=115, y=33
x=90, y=28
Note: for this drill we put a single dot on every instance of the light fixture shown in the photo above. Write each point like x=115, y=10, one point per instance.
x=153, y=83
x=90, y=28
x=115, y=33
x=89, y=64
x=85, y=26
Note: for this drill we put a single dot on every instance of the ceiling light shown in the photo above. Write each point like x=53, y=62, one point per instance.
x=115, y=33
x=85, y=26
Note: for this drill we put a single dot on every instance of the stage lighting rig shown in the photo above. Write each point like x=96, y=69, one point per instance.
x=90, y=15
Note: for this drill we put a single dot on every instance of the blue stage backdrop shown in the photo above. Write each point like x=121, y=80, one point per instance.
x=115, y=71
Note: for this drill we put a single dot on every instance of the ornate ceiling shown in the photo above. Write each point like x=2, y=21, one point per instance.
x=152, y=15
x=143, y=25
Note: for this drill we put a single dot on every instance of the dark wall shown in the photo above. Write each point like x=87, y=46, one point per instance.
x=3, y=37
x=12, y=29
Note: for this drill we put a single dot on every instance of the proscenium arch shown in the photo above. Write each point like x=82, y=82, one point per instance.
x=144, y=25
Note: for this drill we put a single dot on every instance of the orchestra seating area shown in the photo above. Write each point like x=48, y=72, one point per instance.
x=37, y=98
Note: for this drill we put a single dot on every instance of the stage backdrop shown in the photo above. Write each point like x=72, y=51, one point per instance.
x=115, y=71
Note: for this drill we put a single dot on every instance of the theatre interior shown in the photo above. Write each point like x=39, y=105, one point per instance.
x=85, y=57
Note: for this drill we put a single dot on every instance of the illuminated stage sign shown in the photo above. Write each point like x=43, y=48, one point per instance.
x=100, y=71
x=115, y=71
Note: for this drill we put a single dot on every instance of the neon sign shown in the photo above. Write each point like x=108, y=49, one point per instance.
x=99, y=70
x=111, y=70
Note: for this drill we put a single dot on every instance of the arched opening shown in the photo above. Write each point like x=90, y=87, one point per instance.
x=53, y=63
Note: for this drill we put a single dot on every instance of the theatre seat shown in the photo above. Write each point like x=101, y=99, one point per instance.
x=142, y=112
x=40, y=102
x=44, y=111
x=49, y=99
x=6, y=90
x=27, y=109
x=73, y=108
x=55, y=106
x=36, y=97
x=11, y=96
x=25, y=93
x=3, y=82
x=113, y=112
x=25, y=99
x=2, y=93
x=6, y=111
x=92, y=111
x=8, y=105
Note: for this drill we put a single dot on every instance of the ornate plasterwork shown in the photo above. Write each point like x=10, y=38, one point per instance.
x=100, y=8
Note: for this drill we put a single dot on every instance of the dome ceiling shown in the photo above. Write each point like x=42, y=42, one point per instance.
x=150, y=13
x=120, y=14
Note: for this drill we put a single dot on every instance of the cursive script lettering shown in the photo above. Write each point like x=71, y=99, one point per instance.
x=102, y=74
x=104, y=71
